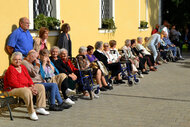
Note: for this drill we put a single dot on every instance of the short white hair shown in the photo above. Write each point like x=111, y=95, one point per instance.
x=127, y=42
x=55, y=47
x=82, y=49
x=63, y=50
x=98, y=44
x=16, y=54
x=139, y=38
x=106, y=44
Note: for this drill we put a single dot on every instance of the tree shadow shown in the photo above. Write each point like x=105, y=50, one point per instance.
x=184, y=64
x=145, y=97
x=153, y=14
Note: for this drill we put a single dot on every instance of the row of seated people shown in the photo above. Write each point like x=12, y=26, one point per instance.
x=26, y=77
x=38, y=72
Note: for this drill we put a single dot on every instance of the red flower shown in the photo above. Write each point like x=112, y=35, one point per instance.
x=62, y=21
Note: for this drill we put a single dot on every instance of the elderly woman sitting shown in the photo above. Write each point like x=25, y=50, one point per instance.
x=145, y=53
x=50, y=73
x=114, y=52
x=106, y=58
x=64, y=57
x=129, y=55
x=84, y=63
x=33, y=66
x=62, y=67
x=18, y=82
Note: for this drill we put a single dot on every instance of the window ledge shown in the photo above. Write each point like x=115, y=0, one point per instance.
x=52, y=33
x=102, y=30
x=143, y=28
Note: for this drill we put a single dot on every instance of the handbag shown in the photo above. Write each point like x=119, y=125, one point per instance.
x=102, y=68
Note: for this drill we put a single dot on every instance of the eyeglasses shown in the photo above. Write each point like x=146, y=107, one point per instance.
x=17, y=59
x=106, y=45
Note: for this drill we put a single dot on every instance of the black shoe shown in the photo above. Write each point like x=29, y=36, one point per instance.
x=65, y=106
x=174, y=59
x=115, y=82
x=73, y=98
x=120, y=81
x=110, y=81
x=103, y=89
x=109, y=87
x=124, y=77
x=55, y=108
x=145, y=72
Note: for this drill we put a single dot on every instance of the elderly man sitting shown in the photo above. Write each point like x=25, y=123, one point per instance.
x=33, y=66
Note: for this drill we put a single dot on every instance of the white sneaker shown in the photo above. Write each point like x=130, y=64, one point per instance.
x=96, y=96
x=70, y=92
x=42, y=111
x=33, y=116
x=69, y=101
x=141, y=76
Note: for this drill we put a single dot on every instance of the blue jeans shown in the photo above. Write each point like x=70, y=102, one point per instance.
x=54, y=92
x=174, y=50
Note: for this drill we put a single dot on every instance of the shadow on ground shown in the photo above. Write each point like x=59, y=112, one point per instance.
x=145, y=97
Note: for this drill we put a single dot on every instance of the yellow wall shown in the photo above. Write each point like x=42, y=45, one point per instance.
x=83, y=17
x=10, y=12
x=84, y=21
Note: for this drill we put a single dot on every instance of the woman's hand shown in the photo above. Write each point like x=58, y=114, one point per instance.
x=73, y=76
x=140, y=55
x=110, y=62
x=48, y=61
x=131, y=61
x=34, y=91
x=37, y=61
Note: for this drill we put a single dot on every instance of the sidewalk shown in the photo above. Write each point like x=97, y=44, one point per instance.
x=161, y=99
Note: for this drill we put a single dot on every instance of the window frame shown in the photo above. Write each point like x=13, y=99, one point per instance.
x=146, y=15
x=31, y=12
x=103, y=30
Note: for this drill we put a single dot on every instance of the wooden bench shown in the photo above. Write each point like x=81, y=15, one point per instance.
x=7, y=102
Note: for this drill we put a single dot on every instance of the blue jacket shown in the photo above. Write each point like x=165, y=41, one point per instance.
x=42, y=70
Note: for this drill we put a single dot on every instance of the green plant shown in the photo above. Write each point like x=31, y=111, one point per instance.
x=43, y=21
x=143, y=24
x=108, y=24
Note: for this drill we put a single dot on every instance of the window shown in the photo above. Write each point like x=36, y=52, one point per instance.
x=143, y=11
x=106, y=11
x=50, y=8
x=46, y=7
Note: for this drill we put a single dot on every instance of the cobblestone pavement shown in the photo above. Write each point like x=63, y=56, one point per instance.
x=161, y=99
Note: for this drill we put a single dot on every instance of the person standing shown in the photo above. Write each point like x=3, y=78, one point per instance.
x=174, y=36
x=156, y=29
x=64, y=40
x=153, y=44
x=40, y=42
x=20, y=40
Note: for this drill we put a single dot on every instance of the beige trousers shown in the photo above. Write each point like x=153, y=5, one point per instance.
x=26, y=94
x=58, y=79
